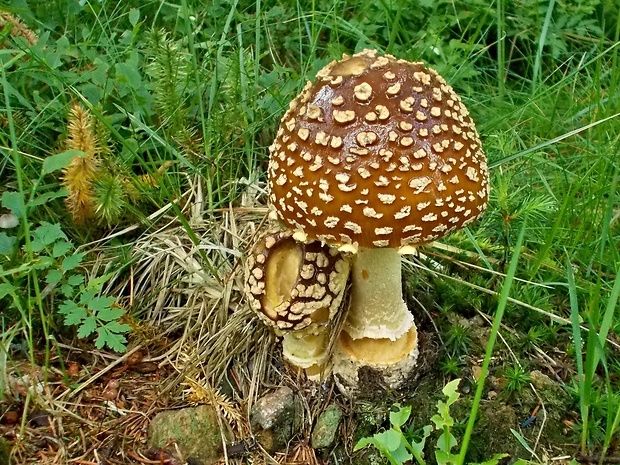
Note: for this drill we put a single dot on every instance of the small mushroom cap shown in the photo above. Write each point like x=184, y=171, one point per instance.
x=293, y=285
x=378, y=152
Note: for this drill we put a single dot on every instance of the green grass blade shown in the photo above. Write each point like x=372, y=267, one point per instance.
x=541, y=44
x=548, y=143
x=574, y=318
x=501, y=307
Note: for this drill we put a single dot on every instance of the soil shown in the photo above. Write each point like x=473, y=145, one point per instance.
x=95, y=408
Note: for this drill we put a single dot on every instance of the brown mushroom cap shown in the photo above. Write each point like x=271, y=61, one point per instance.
x=378, y=152
x=293, y=285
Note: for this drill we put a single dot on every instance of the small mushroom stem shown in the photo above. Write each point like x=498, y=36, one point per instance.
x=377, y=306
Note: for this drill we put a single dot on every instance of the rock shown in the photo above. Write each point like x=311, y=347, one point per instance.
x=326, y=427
x=492, y=434
x=276, y=418
x=194, y=430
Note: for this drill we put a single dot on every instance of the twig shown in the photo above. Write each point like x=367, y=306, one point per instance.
x=96, y=376
x=597, y=459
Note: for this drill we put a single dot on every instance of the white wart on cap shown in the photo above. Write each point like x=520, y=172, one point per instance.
x=378, y=152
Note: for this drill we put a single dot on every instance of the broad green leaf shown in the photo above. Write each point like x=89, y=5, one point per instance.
x=61, y=248
x=100, y=304
x=13, y=201
x=87, y=296
x=67, y=307
x=134, y=16
x=400, y=417
x=42, y=263
x=401, y=455
x=48, y=233
x=450, y=390
x=110, y=314
x=116, y=342
x=117, y=327
x=67, y=290
x=417, y=448
x=446, y=441
x=72, y=261
x=389, y=439
x=88, y=327
x=444, y=458
x=363, y=443
x=7, y=243
x=44, y=198
x=53, y=276
x=495, y=460
x=60, y=160
x=74, y=314
x=75, y=280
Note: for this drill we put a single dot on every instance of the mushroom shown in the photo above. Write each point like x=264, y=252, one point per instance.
x=377, y=156
x=296, y=288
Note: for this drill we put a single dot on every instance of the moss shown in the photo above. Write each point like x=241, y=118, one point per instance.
x=5, y=451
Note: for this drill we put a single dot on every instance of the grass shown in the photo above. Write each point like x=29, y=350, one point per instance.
x=185, y=100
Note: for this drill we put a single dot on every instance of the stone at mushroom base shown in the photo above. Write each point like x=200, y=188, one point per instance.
x=296, y=288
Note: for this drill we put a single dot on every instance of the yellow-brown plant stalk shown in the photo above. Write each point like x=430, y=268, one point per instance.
x=19, y=28
x=79, y=175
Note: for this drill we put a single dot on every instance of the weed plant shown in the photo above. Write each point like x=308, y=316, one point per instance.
x=180, y=94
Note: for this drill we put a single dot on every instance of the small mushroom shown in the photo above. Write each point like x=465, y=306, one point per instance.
x=377, y=156
x=296, y=288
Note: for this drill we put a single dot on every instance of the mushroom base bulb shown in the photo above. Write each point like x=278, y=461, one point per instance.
x=392, y=362
x=374, y=352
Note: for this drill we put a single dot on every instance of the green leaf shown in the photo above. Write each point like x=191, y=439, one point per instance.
x=42, y=263
x=6, y=289
x=87, y=296
x=117, y=327
x=400, y=417
x=48, y=233
x=61, y=160
x=61, y=248
x=13, y=201
x=444, y=458
x=45, y=198
x=495, y=460
x=74, y=313
x=53, y=276
x=363, y=443
x=67, y=290
x=417, y=448
x=389, y=439
x=116, y=342
x=88, y=327
x=134, y=16
x=446, y=441
x=100, y=304
x=7, y=243
x=75, y=280
x=72, y=261
x=450, y=390
x=110, y=314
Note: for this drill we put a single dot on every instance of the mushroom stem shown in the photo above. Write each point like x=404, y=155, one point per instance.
x=377, y=306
